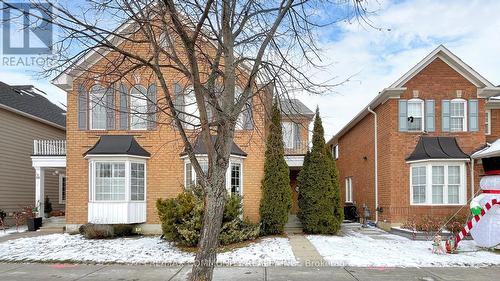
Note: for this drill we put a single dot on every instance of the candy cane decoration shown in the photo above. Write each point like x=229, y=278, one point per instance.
x=474, y=221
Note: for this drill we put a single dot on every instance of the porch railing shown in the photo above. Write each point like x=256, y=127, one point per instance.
x=297, y=148
x=49, y=147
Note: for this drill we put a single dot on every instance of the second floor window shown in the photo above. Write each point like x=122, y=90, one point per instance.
x=97, y=108
x=138, y=108
x=487, y=122
x=415, y=115
x=291, y=134
x=458, y=121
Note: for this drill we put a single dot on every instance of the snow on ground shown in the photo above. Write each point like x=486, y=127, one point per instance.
x=387, y=250
x=136, y=250
x=12, y=230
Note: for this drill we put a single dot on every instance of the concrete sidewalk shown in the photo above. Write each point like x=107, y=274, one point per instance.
x=63, y=272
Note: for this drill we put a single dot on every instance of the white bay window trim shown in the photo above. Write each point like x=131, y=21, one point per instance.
x=427, y=165
x=126, y=211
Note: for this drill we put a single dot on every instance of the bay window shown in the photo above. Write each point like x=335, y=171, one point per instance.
x=234, y=174
x=458, y=113
x=117, y=180
x=415, y=115
x=438, y=183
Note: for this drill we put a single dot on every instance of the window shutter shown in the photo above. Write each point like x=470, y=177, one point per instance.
x=403, y=115
x=124, y=109
x=110, y=108
x=152, y=107
x=445, y=115
x=296, y=137
x=83, y=99
x=473, y=116
x=429, y=116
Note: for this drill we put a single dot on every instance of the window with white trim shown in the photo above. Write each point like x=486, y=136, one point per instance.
x=234, y=174
x=487, y=122
x=117, y=180
x=236, y=178
x=62, y=189
x=415, y=115
x=458, y=115
x=288, y=134
x=138, y=108
x=438, y=183
x=348, y=190
x=97, y=108
x=335, y=152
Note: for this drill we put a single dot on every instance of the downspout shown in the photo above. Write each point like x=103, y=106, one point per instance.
x=375, y=137
x=472, y=191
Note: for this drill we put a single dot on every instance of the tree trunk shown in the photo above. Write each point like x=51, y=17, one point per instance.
x=206, y=256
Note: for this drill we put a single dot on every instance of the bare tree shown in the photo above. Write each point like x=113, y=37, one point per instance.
x=226, y=52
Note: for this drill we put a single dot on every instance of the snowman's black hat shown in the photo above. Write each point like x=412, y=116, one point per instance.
x=491, y=165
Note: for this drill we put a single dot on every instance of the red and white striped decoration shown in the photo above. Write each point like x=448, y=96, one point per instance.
x=474, y=221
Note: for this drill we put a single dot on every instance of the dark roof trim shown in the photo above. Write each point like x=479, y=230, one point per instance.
x=117, y=145
x=437, y=148
x=200, y=149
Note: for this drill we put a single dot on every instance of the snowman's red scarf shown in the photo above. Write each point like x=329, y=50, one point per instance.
x=474, y=220
x=491, y=191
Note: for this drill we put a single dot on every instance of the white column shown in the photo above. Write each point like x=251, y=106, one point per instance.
x=40, y=189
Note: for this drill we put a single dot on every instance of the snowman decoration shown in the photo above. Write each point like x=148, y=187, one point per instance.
x=486, y=232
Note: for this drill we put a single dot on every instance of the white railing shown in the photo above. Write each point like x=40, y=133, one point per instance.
x=298, y=148
x=49, y=147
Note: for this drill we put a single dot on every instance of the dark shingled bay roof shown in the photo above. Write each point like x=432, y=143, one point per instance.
x=199, y=148
x=117, y=145
x=32, y=101
x=295, y=107
x=429, y=148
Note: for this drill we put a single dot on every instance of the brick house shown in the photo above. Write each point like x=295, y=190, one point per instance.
x=407, y=152
x=121, y=158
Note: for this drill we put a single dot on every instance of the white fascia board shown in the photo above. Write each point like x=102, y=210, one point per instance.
x=438, y=160
x=453, y=61
x=488, y=92
x=32, y=117
x=48, y=161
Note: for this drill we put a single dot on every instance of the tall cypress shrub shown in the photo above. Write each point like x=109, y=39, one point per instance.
x=276, y=193
x=319, y=212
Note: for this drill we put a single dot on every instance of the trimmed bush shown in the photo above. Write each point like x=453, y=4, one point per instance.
x=105, y=231
x=276, y=198
x=319, y=204
x=182, y=219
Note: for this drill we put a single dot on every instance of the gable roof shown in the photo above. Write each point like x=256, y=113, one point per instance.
x=117, y=145
x=437, y=148
x=30, y=102
x=485, y=88
x=294, y=107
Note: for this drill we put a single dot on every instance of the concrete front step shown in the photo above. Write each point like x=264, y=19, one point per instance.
x=293, y=226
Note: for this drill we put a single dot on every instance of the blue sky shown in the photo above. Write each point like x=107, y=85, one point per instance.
x=407, y=32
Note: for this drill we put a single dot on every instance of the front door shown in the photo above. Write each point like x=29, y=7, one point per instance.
x=295, y=192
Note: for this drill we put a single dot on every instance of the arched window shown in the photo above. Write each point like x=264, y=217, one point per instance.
x=244, y=121
x=458, y=113
x=192, y=116
x=138, y=108
x=97, y=108
x=415, y=115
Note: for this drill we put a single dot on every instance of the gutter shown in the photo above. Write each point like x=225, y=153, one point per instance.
x=375, y=141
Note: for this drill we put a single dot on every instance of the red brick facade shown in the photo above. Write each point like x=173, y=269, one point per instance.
x=437, y=81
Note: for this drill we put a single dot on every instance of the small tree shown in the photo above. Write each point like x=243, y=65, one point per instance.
x=276, y=194
x=317, y=200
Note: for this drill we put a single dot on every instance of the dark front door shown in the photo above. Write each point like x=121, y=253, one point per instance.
x=295, y=191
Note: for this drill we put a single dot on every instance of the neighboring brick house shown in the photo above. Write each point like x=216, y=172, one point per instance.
x=427, y=124
x=27, y=117
x=119, y=164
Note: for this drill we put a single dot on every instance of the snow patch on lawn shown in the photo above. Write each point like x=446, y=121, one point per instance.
x=396, y=251
x=136, y=250
x=12, y=230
